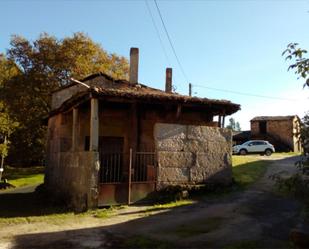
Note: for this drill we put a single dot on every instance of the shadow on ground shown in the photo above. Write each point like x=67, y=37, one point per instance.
x=27, y=204
x=245, y=219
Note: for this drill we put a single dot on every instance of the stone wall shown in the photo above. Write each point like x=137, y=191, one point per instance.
x=190, y=154
x=281, y=131
x=73, y=176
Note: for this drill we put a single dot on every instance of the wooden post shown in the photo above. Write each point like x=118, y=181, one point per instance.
x=130, y=176
x=94, y=125
x=190, y=89
x=133, y=141
x=75, y=131
x=178, y=112
x=219, y=121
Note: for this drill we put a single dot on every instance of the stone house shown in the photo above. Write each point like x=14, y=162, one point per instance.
x=282, y=131
x=117, y=141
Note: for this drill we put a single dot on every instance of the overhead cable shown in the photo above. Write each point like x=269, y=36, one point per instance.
x=157, y=32
x=244, y=93
x=171, y=43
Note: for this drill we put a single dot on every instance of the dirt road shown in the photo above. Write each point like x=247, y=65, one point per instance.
x=255, y=218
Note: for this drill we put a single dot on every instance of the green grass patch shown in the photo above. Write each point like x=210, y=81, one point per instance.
x=248, y=169
x=36, y=209
x=169, y=205
x=21, y=177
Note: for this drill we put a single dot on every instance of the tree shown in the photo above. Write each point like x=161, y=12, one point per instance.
x=7, y=124
x=300, y=63
x=301, y=66
x=45, y=65
x=305, y=133
x=235, y=126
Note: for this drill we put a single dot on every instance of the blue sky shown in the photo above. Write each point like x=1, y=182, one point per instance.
x=231, y=45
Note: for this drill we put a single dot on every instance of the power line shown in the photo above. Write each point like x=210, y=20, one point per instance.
x=171, y=43
x=244, y=94
x=157, y=31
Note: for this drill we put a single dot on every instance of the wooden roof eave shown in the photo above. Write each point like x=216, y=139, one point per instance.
x=216, y=107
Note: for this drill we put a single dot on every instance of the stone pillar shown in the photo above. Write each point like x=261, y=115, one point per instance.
x=75, y=130
x=94, y=125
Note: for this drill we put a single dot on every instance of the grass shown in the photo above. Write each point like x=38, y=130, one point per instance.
x=248, y=169
x=158, y=207
x=21, y=177
x=36, y=208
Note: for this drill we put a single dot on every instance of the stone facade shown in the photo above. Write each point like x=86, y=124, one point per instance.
x=130, y=120
x=70, y=175
x=190, y=154
x=281, y=131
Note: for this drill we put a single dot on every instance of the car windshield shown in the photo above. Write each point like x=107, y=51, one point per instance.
x=246, y=143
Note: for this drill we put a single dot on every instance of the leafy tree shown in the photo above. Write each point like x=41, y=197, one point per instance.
x=301, y=66
x=7, y=124
x=46, y=64
x=235, y=126
x=300, y=63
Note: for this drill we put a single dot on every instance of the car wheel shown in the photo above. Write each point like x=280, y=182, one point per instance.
x=242, y=152
x=268, y=152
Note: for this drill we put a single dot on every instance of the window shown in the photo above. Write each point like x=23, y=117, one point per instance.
x=87, y=143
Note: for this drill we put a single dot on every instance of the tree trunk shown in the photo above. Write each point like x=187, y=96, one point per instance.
x=2, y=159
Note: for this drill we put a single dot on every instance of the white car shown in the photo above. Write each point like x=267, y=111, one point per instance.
x=254, y=146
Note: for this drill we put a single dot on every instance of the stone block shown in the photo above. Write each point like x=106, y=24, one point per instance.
x=167, y=159
x=175, y=175
x=189, y=154
x=169, y=131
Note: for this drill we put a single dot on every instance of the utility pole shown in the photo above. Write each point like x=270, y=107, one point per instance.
x=190, y=89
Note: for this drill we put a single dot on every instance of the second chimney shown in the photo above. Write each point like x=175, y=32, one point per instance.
x=168, y=80
x=134, y=66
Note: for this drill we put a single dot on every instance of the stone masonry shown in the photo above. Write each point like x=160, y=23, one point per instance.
x=190, y=155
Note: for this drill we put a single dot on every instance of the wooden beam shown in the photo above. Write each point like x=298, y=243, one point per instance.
x=94, y=125
x=134, y=127
x=75, y=130
x=178, y=113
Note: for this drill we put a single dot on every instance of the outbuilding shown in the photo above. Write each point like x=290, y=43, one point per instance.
x=117, y=141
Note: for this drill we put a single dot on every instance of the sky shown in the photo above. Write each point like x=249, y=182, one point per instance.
x=222, y=46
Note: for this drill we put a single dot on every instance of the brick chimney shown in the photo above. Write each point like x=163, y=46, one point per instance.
x=168, y=80
x=134, y=66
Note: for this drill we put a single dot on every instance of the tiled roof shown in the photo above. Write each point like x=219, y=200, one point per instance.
x=126, y=90
x=269, y=118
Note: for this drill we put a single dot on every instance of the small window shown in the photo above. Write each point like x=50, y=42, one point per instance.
x=263, y=127
x=87, y=143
